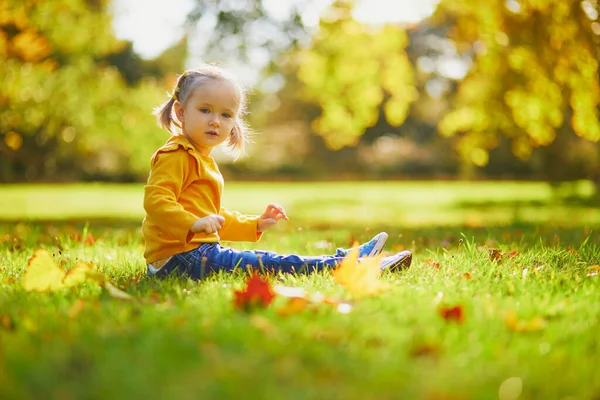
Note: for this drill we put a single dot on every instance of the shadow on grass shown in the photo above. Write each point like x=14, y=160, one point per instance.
x=17, y=235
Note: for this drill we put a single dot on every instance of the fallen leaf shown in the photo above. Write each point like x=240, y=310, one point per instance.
x=82, y=272
x=359, y=277
x=593, y=270
x=257, y=293
x=452, y=314
x=512, y=254
x=42, y=274
x=466, y=275
x=294, y=305
x=431, y=263
x=522, y=326
x=425, y=350
x=299, y=300
x=495, y=254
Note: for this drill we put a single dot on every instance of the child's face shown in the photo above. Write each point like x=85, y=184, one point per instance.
x=207, y=117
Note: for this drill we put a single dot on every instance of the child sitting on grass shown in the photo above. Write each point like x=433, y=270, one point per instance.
x=185, y=220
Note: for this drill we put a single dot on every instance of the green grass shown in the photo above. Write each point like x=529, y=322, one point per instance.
x=183, y=339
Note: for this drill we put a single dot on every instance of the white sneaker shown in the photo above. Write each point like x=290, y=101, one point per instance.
x=397, y=262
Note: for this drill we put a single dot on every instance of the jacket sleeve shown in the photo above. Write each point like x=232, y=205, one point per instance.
x=239, y=227
x=161, y=192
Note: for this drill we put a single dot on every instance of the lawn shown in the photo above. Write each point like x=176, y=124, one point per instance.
x=515, y=261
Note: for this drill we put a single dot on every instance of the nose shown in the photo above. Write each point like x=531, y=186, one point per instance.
x=214, y=121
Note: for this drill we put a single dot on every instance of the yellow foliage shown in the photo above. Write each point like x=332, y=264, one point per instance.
x=13, y=140
x=31, y=46
x=349, y=82
x=360, y=276
x=525, y=79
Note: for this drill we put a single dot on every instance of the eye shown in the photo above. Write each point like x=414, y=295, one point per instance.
x=226, y=115
x=204, y=110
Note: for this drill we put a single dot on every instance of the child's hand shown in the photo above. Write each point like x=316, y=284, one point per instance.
x=272, y=214
x=209, y=224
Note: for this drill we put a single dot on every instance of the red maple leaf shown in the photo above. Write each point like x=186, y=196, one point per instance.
x=455, y=313
x=257, y=293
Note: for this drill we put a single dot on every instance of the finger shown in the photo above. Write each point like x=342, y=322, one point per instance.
x=220, y=218
x=279, y=211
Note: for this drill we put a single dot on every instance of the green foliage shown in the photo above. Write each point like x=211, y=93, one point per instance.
x=62, y=107
x=535, y=69
x=350, y=71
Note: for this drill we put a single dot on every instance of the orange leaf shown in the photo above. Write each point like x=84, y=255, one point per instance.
x=258, y=292
x=452, y=314
x=431, y=263
x=512, y=254
x=359, y=277
x=294, y=305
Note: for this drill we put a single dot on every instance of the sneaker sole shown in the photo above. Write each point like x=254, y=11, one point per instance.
x=378, y=245
x=400, y=264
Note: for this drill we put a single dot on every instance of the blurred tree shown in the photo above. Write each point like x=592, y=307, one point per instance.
x=531, y=65
x=235, y=29
x=350, y=70
x=534, y=77
x=64, y=108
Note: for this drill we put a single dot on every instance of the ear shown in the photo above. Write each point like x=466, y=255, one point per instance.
x=178, y=110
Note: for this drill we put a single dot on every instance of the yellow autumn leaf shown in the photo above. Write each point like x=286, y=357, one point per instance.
x=82, y=272
x=360, y=276
x=522, y=326
x=42, y=274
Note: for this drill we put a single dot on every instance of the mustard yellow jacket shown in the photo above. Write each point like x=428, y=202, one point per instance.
x=182, y=187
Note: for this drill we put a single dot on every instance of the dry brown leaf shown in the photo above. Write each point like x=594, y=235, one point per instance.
x=495, y=254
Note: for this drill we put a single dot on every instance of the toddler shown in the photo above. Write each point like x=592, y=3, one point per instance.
x=185, y=220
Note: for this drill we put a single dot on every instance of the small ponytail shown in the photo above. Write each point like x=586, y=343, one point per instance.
x=164, y=115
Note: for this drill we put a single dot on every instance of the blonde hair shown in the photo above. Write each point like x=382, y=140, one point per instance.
x=189, y=81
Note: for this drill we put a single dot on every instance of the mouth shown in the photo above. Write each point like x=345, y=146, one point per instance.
x=211, y=133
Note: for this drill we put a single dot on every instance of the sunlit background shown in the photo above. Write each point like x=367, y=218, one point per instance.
x=370, y=90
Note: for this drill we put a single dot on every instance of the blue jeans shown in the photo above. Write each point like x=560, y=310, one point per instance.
x=212, y=257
